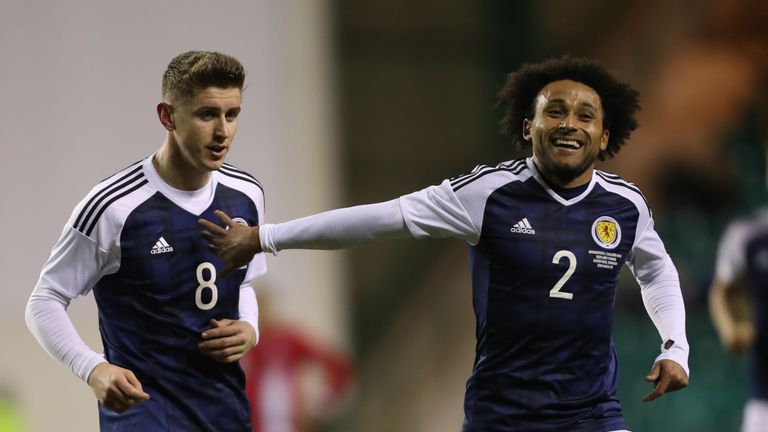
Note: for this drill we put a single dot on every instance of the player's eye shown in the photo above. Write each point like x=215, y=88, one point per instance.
x=207, y=115
x=555, y=112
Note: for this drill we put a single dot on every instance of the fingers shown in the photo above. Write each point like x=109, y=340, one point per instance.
x=224, y=218
x=131, y=387
x=219, y=323
x=227, y=340
x=661, y=388
x=227, y=355
x=668, y=375
x=225, y=349
x=223, y=342
x=212, y=228
x=653, y=375
x=116, y=388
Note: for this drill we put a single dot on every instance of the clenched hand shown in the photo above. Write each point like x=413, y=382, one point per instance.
x=116, y=388
x=227, y=340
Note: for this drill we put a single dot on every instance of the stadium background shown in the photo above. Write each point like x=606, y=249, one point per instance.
x=355, y=101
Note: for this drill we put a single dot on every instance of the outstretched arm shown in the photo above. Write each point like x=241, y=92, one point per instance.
x=335, y=229
x=435, y=211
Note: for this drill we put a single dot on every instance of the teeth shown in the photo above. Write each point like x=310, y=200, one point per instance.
x=568, y=143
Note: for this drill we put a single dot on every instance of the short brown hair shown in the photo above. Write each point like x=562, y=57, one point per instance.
x=196, y=70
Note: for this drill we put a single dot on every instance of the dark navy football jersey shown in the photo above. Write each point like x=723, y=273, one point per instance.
x=743, y=255
x=544, y=274
x=157, y=287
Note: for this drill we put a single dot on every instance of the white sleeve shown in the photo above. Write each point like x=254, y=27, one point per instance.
x=660, y=289
x=249, y=308
x=336, y=229
x=75, y=264
x=432, y=212
x=731, y=254
x=437, y=212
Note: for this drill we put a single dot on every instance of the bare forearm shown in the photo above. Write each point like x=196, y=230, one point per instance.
x=720, y=310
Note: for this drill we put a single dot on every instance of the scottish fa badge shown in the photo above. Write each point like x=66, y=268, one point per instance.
x=606, y=232
x=239, y=220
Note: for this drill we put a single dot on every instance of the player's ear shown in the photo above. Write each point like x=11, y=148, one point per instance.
x=164, y=111
x=604, y=139
x=526, y=129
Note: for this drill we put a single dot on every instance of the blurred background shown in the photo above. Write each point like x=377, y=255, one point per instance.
x=356, y=101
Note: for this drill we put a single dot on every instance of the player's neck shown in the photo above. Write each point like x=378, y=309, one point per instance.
x=174, y=170
x=564, y=179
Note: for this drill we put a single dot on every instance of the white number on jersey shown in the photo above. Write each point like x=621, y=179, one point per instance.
x=206, y=283
x=555, y=291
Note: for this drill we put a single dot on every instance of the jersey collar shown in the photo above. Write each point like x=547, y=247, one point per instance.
x=552, y=193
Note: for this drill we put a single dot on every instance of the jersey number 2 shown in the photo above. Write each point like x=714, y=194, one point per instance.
x=555, y=291
x=206, y=284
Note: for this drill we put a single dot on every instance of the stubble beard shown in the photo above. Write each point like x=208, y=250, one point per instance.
x=565, y=173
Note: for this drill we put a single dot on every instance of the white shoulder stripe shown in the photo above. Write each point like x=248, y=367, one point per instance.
x=626, y=189
x=106, y=192
x=514, y=167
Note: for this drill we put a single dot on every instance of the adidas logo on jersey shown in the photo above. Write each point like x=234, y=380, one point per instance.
x=161, y=246
x=523, y=227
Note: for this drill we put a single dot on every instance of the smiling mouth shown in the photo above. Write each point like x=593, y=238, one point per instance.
x=568, y=143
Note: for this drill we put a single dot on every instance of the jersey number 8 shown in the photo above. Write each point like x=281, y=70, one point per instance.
x=206, y=283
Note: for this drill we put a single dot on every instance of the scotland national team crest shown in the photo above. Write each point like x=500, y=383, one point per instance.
x=606, y=232
x=239, y=220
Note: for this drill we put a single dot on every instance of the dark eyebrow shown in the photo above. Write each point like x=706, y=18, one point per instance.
x=562, y=101
x=207, y=108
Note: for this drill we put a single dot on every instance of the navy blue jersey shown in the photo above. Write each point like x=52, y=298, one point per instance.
x=157, y=287
x=544, y=274
x=743, y=256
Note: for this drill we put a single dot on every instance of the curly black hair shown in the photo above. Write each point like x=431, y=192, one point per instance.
x=619, y=100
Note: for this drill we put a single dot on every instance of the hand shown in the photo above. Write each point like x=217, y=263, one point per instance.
x=227, y=340
x=668, y=377
x=236, y=244
x=739, y=339
x=116, y=388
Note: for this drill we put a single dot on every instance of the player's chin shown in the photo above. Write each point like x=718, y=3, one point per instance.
x=213, y=164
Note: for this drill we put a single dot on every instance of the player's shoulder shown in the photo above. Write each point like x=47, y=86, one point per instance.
x=239, y=179
x=613, y=183
x=125, y=186
x=493, y=175
x=755, y=222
